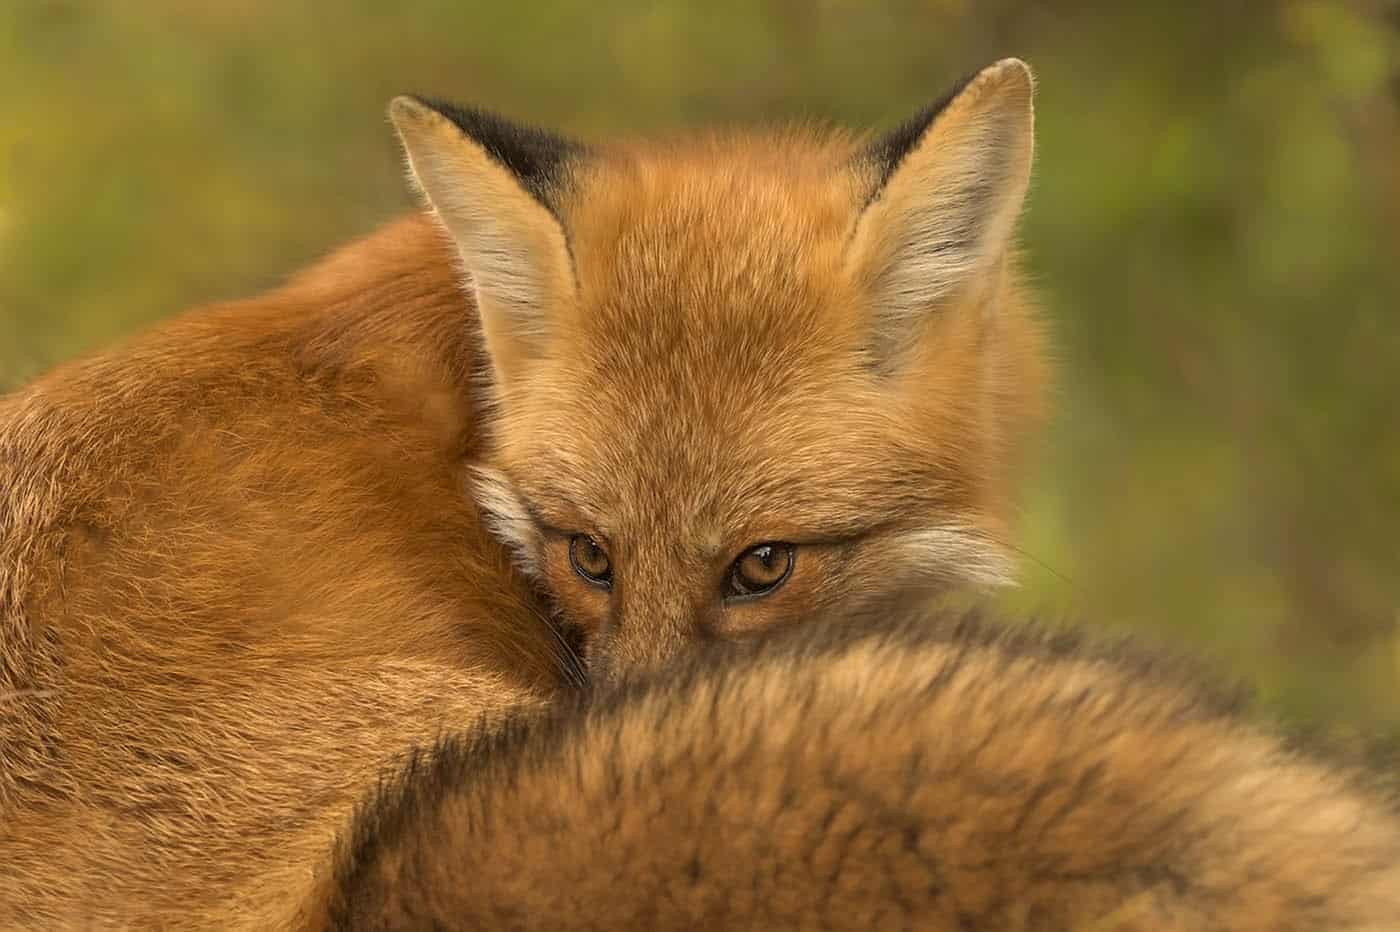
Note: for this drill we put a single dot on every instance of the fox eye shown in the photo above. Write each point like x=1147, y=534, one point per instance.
x=590, y=561
x=759, y=570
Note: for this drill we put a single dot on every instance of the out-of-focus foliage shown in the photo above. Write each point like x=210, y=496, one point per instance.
x=1215, y=225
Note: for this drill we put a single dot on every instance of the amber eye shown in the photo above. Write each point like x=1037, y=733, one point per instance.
x=759, y=570
x=590, y=561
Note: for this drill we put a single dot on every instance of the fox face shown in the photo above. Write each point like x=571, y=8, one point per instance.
x=738, y=377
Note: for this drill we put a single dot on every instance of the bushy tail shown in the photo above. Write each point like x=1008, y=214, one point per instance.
x=918, y=773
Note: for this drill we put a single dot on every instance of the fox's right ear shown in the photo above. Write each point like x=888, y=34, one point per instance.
x=945, y=191
x=494, y=185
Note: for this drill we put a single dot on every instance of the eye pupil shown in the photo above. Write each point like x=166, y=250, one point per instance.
x=760, y=569
x=590, y=561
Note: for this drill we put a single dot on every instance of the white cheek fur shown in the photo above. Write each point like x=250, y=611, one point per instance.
x=959, y=551
x=506, y=517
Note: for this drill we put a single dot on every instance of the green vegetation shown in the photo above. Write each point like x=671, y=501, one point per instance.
x=1215, y=225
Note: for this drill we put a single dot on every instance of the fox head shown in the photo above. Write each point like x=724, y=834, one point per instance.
x=738, y=377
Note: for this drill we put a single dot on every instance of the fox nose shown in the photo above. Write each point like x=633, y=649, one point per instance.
x=642, y=635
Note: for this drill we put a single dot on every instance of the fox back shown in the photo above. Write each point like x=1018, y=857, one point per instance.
x=240, y=574
x=924, y=772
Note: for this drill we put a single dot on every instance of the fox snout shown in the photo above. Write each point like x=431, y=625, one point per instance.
x=644, y=633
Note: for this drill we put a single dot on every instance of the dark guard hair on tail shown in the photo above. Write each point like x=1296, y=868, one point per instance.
x=922, y=771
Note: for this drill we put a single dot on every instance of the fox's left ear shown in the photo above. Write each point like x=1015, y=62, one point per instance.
x=495, y=187
x=946, y=189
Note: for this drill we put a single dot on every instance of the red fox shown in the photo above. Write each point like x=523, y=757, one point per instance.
x=700, y=387
x=739, y=378
x=923, y=772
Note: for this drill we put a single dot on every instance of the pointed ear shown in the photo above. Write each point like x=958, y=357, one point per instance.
x=946, y=190
x=494, y=186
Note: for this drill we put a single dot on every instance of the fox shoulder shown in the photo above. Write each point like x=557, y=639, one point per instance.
x=900, y=775
x=208, y=534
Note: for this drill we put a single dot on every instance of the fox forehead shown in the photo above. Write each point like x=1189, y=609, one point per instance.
x=711, y=377
x=735, y=236
x=803, y=467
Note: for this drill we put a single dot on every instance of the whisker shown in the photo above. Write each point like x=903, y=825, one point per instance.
x=1022, y=552
x=568, y=658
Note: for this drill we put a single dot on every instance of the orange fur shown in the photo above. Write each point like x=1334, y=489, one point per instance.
x=919, y=770
x=239, y=572
x=240, y=567
x=747, y=352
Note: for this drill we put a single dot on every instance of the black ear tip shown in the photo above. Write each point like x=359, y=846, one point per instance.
x=890, y=149
x=503, y=138
x=537, y=157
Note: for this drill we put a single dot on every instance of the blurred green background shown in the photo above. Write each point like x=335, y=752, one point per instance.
x=1215, y=225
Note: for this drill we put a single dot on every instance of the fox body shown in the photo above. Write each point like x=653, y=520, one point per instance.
x=922, y=772
x=238, y=574
x=693, y=388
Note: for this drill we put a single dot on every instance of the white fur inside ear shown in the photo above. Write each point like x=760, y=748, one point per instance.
x=959, y=552
x=511, y=246
x=506, y=516
x=940, y=236
x=504, y=255
x=946, y=214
